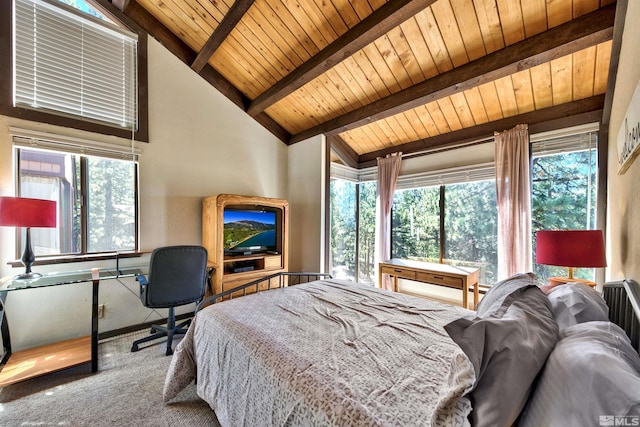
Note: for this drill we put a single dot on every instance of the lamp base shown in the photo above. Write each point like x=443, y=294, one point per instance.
x=27, y=276
x=554, y=281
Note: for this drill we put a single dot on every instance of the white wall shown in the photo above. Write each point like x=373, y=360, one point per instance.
x=306, y=200
x=623, y=195
x=200, y=144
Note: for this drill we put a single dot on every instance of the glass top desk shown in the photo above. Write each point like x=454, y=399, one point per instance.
x=48, y=358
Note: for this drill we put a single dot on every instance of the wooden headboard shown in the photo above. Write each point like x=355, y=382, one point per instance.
x=623, y=299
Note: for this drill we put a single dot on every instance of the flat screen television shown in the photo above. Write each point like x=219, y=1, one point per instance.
x=250, y=231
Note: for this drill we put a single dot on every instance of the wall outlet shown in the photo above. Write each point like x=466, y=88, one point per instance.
x=101, y=310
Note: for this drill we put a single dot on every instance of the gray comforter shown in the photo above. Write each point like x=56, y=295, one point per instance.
x=326, y=353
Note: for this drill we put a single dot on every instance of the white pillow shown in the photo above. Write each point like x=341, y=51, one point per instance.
x=574, y=303
x=592, y=372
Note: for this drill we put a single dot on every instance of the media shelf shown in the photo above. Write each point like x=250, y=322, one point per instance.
x=234, y=270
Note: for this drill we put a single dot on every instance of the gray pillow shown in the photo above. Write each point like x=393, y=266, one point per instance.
x=495, y=296
x=592, y=372
x=574, y=303
x=508, y=349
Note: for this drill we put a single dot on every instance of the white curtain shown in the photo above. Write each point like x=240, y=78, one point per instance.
x=513, y=194
x=388, y=171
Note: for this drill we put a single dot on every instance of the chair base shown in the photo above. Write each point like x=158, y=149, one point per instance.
x=169, y=331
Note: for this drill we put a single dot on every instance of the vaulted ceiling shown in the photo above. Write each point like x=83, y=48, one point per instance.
x=402, y=75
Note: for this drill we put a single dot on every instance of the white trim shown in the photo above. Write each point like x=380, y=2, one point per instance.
x=68, y=144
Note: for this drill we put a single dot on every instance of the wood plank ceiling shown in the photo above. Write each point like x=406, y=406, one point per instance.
x=378, y=77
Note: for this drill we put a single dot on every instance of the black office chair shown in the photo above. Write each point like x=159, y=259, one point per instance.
x=177, y=276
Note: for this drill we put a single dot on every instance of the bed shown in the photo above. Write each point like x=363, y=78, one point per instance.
x=332, y=352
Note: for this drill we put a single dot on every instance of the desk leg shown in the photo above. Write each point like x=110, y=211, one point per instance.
x=465, y=295
x=4, y=325
x=94, y=327
x=475, y=295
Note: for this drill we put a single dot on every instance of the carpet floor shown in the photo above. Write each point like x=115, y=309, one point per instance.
x=126, y=391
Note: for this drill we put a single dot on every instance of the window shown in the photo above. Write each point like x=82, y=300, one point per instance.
x=96, y=200
x=564, y=191
x=451, y=215
x=455, y=223
x=72, y=66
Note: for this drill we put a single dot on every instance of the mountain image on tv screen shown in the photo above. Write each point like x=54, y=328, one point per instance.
x=249, y=229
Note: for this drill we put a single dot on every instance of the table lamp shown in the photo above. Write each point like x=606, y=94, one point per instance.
x=571, y=249
x=25, y=212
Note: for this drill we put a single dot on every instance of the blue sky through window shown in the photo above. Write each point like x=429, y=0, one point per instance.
x=85, y=7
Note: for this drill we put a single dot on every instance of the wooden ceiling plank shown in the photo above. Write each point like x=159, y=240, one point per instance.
x=491, y=101
x=534, y=16
x=366, y=88
x=238, y=71
x=229, y=22
x=450, y=113
x=254, y=74
x=523, y=91
x=280, y=13
x=157, y=30
x=419, y=47
x=416, y=123
x=403, y=128
x=582, y=7
x=584, y=71
x=371, y=75
x=512, y=22
x=431, y=34
x=541, y=80
x=507, y=97
x=427, y=120
x=193, y=23
x=476, y=105
x=561, y=79
x=170, y=21
x=343, y=151
x=559, y=12
x=381, y=68
x=438, y=117
x=322, y=23
x=575, y=112
x=459, y=102
x=489, y=21
x=578, y=34
x=368, y=30
x=467, y=20
x=346, y=10
x=393, y=60
x=603, y=59
x=399, y=41
x=446, y=20
x=281, y=62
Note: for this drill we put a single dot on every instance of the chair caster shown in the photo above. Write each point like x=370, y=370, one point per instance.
x=169, y=352
x=134, y=348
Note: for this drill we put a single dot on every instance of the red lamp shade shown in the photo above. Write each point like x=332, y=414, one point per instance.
x=24, y=212
x=571, y=248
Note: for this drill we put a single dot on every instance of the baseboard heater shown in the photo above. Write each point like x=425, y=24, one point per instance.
x=623, y=299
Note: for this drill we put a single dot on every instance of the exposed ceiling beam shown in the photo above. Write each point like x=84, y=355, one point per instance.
x=586, y=110
x=344, y=151
x=228, y=23
x=183, y=52
x=581, y=33
x=380, y=22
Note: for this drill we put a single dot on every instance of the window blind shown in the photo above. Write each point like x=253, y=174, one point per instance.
x=25, y=138
x=74, y=65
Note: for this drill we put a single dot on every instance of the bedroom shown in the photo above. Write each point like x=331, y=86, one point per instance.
x=200, y=142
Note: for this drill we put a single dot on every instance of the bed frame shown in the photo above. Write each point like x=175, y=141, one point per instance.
x=274, y=281
x=622, y=297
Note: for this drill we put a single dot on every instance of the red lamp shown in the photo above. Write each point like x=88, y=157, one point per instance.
x=572, y=249
x=24, y=212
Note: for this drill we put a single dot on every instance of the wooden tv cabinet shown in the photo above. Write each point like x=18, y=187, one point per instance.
x=234, y=270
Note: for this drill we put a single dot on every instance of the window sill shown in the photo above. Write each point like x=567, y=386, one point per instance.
x=63, y=259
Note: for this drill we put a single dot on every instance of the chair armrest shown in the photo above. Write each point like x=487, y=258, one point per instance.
x=143, y=288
